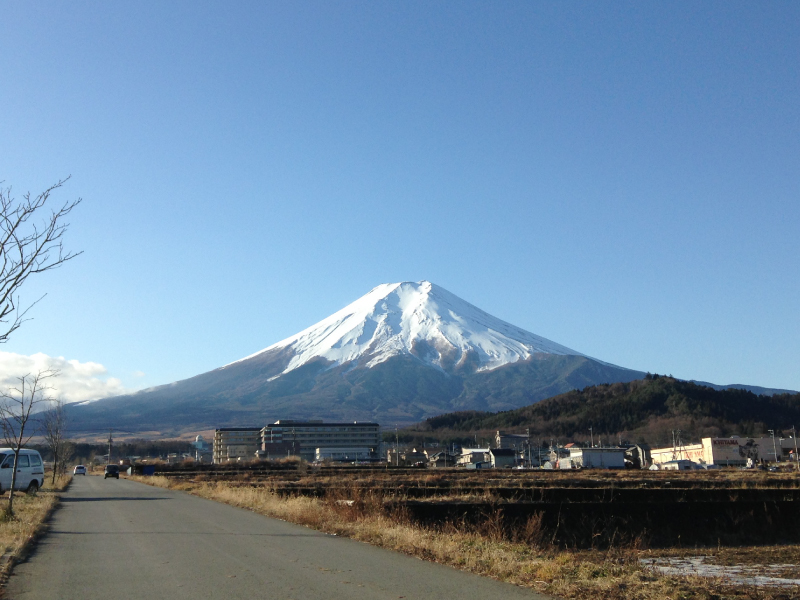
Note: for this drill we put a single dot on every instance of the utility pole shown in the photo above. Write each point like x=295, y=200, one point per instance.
x=774, y=447
x=794, y=435
x=539, y=451
x=396, y=448
x=674, y=456
x=591, y=436
x=109, y=445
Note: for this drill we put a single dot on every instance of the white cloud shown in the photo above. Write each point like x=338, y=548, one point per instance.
x=76, y=381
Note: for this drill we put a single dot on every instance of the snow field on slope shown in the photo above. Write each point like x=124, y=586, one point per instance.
x=392, y=318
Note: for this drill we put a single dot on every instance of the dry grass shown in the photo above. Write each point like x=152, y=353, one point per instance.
x=483, y=549
x=30, y=513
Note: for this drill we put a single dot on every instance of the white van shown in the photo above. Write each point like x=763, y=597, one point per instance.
x=30, y=470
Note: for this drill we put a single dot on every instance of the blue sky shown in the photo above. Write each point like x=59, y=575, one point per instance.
x=622, y=178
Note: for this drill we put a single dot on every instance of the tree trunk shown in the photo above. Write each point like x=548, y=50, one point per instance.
x=10, y=507
x=55, y=468
x=17, y=447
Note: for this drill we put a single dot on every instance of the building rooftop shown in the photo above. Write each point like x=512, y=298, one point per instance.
x=503, y=451
x=238, y=429
x=285, y=423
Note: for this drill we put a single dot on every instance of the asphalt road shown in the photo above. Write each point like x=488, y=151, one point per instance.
x=121, y=539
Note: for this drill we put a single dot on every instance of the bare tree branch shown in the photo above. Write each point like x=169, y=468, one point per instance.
x=31, y=242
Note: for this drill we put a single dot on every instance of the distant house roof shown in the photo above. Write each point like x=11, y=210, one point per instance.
x=503, y=452
x=570, y=445
x=441, y=454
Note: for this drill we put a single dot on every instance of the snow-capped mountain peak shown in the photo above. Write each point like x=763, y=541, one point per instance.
x=418, y=319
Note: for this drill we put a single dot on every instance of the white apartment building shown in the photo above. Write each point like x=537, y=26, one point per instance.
x=235, y=443
x=307, y=436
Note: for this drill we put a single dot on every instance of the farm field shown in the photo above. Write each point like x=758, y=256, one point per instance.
x=598, y=534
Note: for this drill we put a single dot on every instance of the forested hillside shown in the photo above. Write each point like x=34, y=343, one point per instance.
x=645, y=410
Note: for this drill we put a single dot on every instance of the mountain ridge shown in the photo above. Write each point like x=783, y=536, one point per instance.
x=646, y=410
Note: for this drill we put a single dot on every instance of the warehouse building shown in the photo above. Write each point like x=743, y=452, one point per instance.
x=598, y=458
x=732, y=451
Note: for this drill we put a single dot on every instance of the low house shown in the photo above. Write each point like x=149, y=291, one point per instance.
x=406, y=457
x=638, y=456
x=442, y=459
x=473, y=456
x=566, y=463
x=503, y=457
x=557, y=453
x=597, y=458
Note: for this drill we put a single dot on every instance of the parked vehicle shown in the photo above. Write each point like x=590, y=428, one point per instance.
x=30, y=470
x=79, y=470
x=111, y=471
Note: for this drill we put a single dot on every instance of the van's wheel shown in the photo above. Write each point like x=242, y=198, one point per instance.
x=33, y=487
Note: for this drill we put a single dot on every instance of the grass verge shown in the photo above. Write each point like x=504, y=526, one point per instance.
x=31, y=513
x=526, y=561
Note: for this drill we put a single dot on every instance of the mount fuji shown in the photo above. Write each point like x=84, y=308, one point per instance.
x=399, y=354
x=413, y=319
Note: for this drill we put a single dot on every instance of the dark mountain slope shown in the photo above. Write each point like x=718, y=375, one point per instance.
x=401, y=390
x=645, y=410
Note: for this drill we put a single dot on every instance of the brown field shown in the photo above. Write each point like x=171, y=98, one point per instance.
x=383, y=508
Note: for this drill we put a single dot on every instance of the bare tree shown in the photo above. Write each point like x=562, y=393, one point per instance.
x=30, y=243
x=54, y=421
x=17, y=406
x=67, y=452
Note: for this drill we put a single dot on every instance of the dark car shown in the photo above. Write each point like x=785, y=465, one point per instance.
x=111, y=471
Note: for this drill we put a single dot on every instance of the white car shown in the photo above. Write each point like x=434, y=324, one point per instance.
x=79, y=470
x=30, y=470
